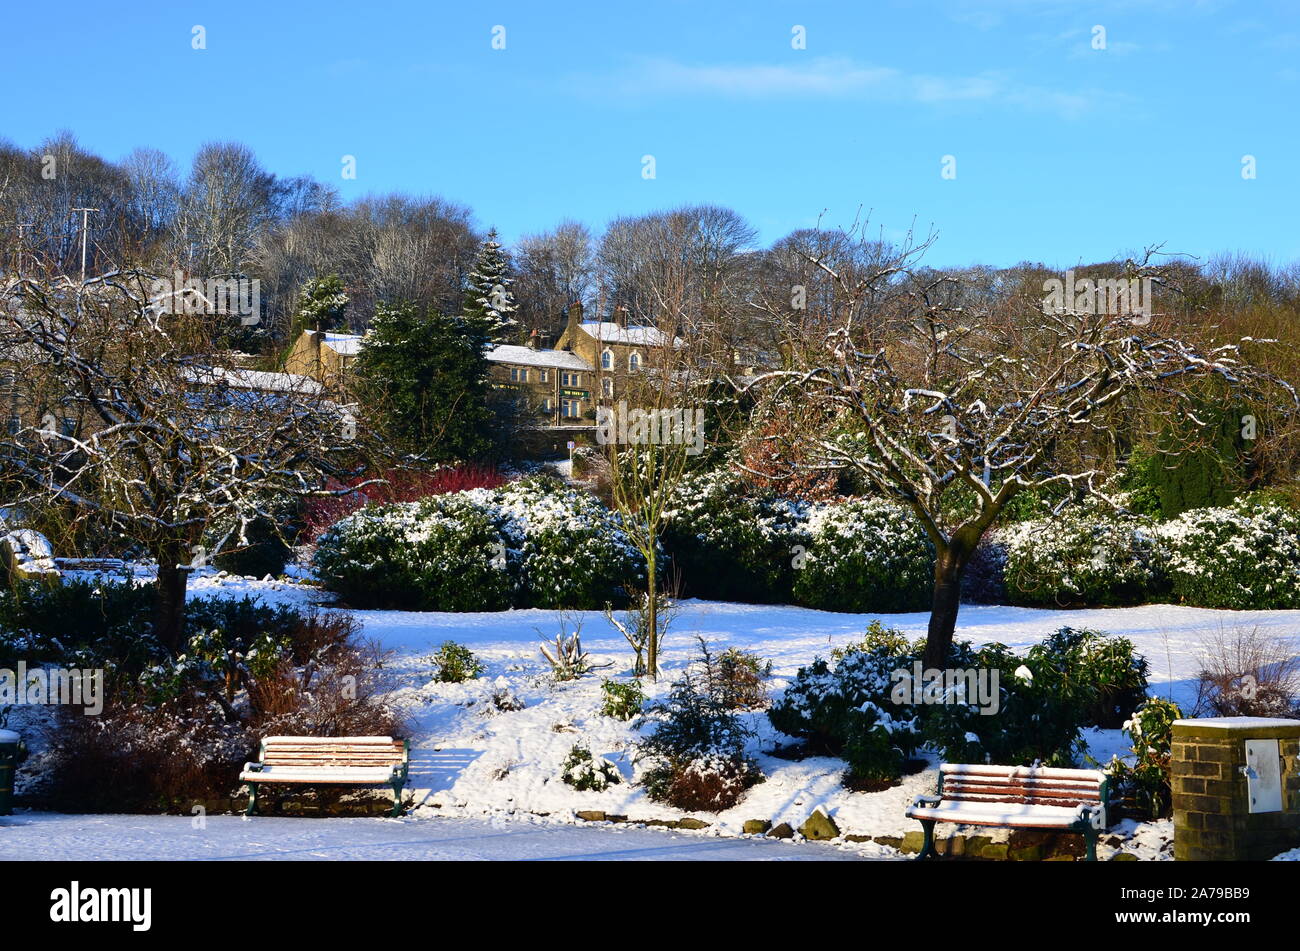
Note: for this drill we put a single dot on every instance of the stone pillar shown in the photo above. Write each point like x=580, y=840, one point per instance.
x=1211, y=794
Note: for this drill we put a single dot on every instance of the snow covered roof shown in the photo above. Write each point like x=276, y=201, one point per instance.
x=349, y=345
x=526, y=356
x=607, y=331
x=256, y=380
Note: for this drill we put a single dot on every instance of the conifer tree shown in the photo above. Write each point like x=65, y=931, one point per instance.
x=489, y=297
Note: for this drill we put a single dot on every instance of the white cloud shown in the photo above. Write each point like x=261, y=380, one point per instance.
x=839, y=78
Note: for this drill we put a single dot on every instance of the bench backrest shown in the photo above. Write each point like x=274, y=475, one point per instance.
x=333, y=751
x=1035, y=786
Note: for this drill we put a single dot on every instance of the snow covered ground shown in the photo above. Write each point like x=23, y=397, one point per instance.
x=53, y=837
x=470, y=759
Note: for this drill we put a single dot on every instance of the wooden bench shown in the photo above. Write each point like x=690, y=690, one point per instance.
x=330, y=760
x=1016, y=797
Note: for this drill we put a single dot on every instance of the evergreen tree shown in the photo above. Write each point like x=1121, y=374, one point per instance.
x=322, y=304
x=489, y=298
x=422, y=380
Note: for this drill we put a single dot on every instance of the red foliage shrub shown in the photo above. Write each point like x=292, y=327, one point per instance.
x=397, y=485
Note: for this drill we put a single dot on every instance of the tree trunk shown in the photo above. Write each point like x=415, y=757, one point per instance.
x=948, y=568
x=652, y=606
x=169, y=600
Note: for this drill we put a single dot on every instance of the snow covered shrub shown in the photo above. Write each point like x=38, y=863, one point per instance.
x=696, y=750
x=1243, y=557
x=847, y=709
x=735, y=677
x=865, y=555
x=573, y=551
x=1247, y=673
x=584, y=771
x=1087, y=557
x=731, y=544
x=531, y=543
x=445, y=553
x=455, y=663
x=623, y=700
x=1045, y=698
x=178, y=732
x=138, y=757
x=567, y=658
x=1143, y=785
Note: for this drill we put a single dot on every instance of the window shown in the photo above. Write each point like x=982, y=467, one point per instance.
x=607, y=387
x=607, y=360
x=571, y=379
x=548, y=405
x=518, y=375
x=544, y=375
x=571, y=409
x=634, y=361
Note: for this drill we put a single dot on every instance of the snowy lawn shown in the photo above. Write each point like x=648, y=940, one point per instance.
x=470, y=759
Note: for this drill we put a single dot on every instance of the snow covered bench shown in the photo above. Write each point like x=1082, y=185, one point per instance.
x=332, y=760
x=1016, y=797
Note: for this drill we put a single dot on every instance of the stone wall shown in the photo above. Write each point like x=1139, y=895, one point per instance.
x=1212, y=818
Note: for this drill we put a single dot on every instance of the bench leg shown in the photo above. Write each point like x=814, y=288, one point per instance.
x=1090, y=844
x=397, y=800
x=927, y=847
x=252, y=800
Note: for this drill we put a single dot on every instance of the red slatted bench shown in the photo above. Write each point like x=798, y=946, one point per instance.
x=332, y=760
x=1016, y=797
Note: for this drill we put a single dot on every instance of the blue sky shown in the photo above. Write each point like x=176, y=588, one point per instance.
x=1064, y=153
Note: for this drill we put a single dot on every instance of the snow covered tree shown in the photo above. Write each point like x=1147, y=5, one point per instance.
x=489, y=298
x=952, y=404
x=422, y=381
x=131, y=425
x=322, y=305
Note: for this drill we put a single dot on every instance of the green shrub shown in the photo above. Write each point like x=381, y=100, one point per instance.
x=623, y=700
x=95, y=623
x=696, y=750
x=1245, y=557
x=730, y=544
x=1073, y=678
x=865, y=555
x=1144, y=784
x=1088, y=557
x=852, y=709
x=584, y=772
x=455, y=663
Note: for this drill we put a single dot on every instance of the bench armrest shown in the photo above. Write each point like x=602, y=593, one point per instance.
x=252, y=767
x=1094, y=816
x=926, y=801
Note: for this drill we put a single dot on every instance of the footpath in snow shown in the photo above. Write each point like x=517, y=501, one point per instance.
x=55, y=837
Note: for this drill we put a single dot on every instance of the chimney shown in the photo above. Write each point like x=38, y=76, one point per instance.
x=620, y=316
x=571, y=328
x=532, y=340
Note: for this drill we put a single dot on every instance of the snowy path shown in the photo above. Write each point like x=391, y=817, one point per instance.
x=52, y=836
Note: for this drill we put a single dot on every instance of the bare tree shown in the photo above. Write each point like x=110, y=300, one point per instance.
x=129, y=422
x=953, y=405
